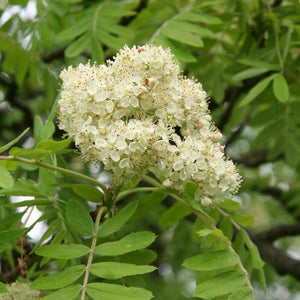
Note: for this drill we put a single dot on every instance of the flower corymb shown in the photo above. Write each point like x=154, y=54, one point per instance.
x=137, y=113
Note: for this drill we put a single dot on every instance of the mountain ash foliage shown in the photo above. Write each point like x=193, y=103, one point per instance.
x=123, y=156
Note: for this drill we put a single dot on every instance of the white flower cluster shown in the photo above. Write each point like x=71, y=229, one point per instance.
x=20, y=291
x=138, y=112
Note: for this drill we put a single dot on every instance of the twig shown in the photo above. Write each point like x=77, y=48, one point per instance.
x=278, y=231
x=136, y=190
x=90, y=258
x=281, y=262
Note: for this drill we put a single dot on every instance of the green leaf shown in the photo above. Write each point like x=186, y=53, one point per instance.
x=53, y=227
x=6, y=180
x=9, y=63
x=132, y=242
x=4, y=247
x=117, y=222
x=116, y=270
x=68, y=293
x=214, y=260
x=173, y=214
x=199, y=18
x=78, y=28
x=182, y=36
x=69, y=251
x=45, y=216
x=227, y=228
x=257, y=90
x=26, y=202
x=59, y=280
x=177, y=49
x=286, y=40
x=111, y=40
x=7, y=146
x=259, y=64
x=46, y=35
x=116, y=12
x=6, y=222
x=60, y=8
x=262, y=279
x=6, y=236
x=199, y=225
x=249, y=73
x=281, y=88
x=274, y=129
x=147, y=203
x=244, y=220
x=230, y=205
x=79, y=218
x=292, y=150
x=77, y=47
x=117, y=29
x=244, y=293
x=3, y=288
x=255, y=260
x=23, y=61
x=213, y=232
x=36, y=153
x=42, y=131
x=97, y=51
x=139, y=257
x=107, y=291
x=190, y=189
x=47, y=181
x=54, y=146
x=220, y=284
x=10, y=165
x=190, y=27
x=88, y=192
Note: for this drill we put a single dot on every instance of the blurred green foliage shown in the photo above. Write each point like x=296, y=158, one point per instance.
x=246, y=55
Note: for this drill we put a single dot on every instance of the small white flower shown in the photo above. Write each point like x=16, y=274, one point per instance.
x=178, y=165
x=115, y=156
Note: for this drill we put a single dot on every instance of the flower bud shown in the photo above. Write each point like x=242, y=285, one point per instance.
x=167, y=183
x=201, y=123
x=217, y=136
x=141, y=49
x=205, y=201
x=150, y=81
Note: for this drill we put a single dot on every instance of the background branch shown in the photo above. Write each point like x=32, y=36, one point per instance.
x=278, y=231
x=282, y=263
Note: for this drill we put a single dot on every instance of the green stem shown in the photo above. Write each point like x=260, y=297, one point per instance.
x=202, y=216
x=136, y=190
x=177, y=198
x=234, y=223
x=90, y=258
x=55, y=168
